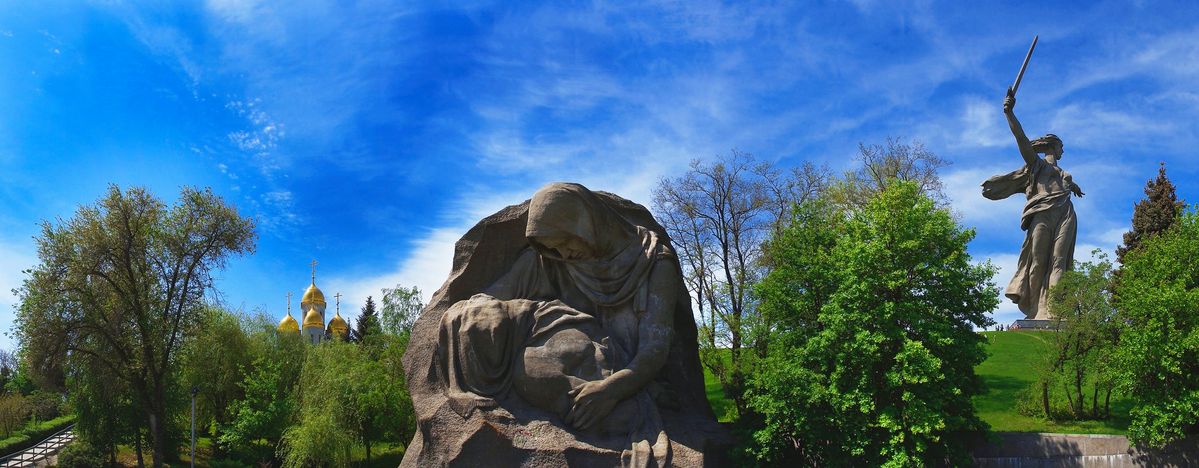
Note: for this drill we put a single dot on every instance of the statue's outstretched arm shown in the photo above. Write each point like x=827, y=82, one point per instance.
x=1029, y=154
x=594, y=400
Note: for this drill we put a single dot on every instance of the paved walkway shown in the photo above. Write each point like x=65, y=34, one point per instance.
x=42, y=454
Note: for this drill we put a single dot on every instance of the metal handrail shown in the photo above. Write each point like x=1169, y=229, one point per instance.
x=39, y=450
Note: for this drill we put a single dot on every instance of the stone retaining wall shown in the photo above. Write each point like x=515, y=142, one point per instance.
x=1022, y=449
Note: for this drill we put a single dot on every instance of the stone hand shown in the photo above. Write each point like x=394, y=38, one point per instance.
x=1009, y=103
x=592, y=402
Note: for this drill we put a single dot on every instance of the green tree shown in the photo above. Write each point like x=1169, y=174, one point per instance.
x=880, y=166
x=106, y=414
x=368, y=321
x=884, y=374
x=269, y=395
x=347, y=398
x=214, y=361
x=804, y=278
x=718, y=214
x=1152, y=215
x=1158, y=354
x=1079, y=361
x=13, y=412
x=120, y=283
x=401, y=306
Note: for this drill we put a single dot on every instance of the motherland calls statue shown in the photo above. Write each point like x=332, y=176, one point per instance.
x=1048, y=219
x=563, y=336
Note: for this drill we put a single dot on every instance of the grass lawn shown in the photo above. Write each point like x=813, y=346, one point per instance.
x=382, y=454
x=1011, y=367
x=721, y=406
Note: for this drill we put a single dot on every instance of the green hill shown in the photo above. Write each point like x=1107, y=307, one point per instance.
x=1010, y=367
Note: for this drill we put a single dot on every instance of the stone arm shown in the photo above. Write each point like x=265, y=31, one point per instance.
x=594, y=400
x=1026, y=150
x=655, y=332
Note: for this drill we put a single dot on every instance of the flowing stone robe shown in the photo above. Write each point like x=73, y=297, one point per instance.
x=483, y=343
x=1050, y=226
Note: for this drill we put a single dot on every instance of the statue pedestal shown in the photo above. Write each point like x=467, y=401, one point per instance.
x=1030, y=324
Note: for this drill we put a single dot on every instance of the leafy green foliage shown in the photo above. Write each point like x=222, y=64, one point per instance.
x=1152, y=215
x=267, y=408
x=81, y=455
x=13, y=412
x=214, y=360
x=401, y=307
x=346, y=398
x=718, y=215
x=117, y=288
x=34, y=432
x=1078, y=364
x=882, y=372
x=368, y=321
x=882, y=166
x=1158, y=355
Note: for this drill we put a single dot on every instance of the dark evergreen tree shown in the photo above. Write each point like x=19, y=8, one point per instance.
x=1152, y=215
x=368, y=321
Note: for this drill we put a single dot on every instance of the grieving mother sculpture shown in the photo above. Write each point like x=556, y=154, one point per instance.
x=563, y=336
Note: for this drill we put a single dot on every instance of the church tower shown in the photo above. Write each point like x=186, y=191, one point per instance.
x=312, y=307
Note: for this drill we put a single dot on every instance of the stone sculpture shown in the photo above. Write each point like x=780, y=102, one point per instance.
x=563, y=336
x=1048, y=219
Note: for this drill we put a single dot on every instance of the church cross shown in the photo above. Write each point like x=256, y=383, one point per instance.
x=313, y=271
x=338, y=297
x=289, y=303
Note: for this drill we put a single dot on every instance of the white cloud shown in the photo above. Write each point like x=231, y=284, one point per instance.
x=963, y=186
x=426, y=267
x=1092, y=124
x=981, y=124
x=1006, y=262
x=14, y=259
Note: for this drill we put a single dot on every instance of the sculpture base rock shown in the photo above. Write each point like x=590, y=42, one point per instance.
x=497, y=437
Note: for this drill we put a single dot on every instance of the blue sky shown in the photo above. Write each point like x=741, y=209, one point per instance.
x=370, y=136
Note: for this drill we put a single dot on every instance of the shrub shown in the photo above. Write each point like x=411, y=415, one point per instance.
x=13, y=411
x=81, y=455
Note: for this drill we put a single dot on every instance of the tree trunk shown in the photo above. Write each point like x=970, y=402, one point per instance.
x=1095, y=402
x=367, y=442
x=137, y=445
x=1107, y=404
x=156, y=435
x=735, y=368
x=1070, y=398
x=1045, y=398
x=1082, y=398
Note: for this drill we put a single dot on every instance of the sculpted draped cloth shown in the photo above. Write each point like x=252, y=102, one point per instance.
x=1050, y=229
x=500, y=340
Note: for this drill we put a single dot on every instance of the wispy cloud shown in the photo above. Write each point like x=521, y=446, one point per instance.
x=350, y=128
x=15, y=257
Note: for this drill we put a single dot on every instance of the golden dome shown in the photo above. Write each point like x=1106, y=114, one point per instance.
x=289, y=324
x=313, y=320
x=338, y=326
x=313, y=295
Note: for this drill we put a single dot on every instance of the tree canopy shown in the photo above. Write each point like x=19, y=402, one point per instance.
x=118, y=286
x=1157, y=359
x=877, y=364
x=1152, y=215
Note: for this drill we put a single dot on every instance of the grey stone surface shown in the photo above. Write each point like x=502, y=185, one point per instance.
x=1017, y=449
x=1028, y=324
x=1048, y=220
x=563, y=337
